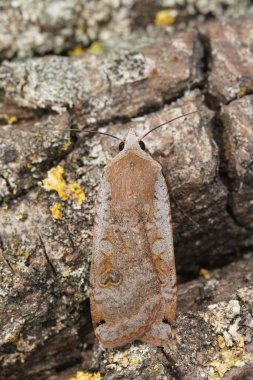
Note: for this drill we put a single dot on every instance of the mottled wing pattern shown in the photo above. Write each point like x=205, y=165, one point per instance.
x=125, y=295
x=160, y=237
x=133, y=276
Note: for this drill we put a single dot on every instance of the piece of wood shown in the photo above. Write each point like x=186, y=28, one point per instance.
x=45, y=240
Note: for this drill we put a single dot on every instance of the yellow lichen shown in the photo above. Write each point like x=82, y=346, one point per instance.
x=204, y=273
x=80, y=375
x=55, y=181
x=66, y=272
x=8, y=119
x=27, y=255
x=11, y=120
x=244, y=90
x=124, y=359
x=246, y=295
x=226, y=358
x=82, y=29
x=88, y=232
x=221, y=341
x=22, y=252
x=165, y=17
x=77, y=51
x=37, y=134
x=56, y=211
x=66, y=145
x=76, y=192
x=95, y=48
x=241, y=92
x=154, y=368
x=134, y=361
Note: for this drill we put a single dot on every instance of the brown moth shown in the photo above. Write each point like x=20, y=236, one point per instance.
x=133, y=276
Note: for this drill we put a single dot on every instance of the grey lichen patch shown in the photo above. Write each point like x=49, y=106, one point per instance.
x=129, y=68
x=4, y=188
x=100, y=88
x=209, y=287
x=219, y=7
x=56, y=25
x=47, y=255
x=53, y=82
x=230, y=322
x=41, y=27
x=28, y=147
x=137, y=361
x=246, y=295
x=224, y=318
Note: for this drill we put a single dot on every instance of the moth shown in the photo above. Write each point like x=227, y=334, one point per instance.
x=133, y=276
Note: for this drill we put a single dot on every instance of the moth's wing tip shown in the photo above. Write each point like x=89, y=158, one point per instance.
x=134, y=327
x=160, y=331
x=158, y=334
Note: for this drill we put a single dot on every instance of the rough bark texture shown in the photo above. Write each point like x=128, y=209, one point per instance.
x=45, y=236
x=46, y=26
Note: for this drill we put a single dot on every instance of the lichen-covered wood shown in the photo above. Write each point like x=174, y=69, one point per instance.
x=48, y=185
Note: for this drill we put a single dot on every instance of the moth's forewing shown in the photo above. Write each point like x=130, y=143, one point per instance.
x=125, y=288
x=133, y=270
x=160, y=236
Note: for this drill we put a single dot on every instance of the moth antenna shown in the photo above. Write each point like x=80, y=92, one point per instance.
x=86, y=131
x=102, y=133
x=167, y=122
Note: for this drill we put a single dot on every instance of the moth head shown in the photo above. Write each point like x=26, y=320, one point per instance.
x=131, y=142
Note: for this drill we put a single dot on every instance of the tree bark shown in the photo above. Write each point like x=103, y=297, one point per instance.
x=45, y=236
